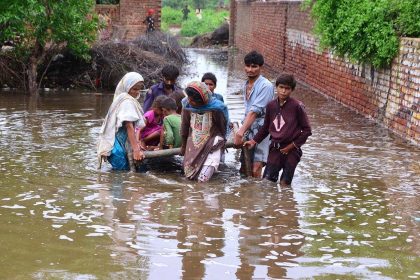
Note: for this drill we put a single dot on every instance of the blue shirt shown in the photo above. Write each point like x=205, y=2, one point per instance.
x=261, y=94
x=155, y=91
x=219, y=97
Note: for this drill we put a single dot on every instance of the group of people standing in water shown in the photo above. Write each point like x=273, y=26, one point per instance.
x=196, y=119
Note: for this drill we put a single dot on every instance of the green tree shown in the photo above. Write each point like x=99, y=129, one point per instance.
x=40, y=26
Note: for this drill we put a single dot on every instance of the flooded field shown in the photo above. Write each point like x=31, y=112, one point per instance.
x=353, y=211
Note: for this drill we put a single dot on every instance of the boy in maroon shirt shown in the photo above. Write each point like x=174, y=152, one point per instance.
x=288, y=125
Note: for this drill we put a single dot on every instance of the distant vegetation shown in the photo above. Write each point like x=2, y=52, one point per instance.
x=202, y=4
x=365, y=30
x=210, y=20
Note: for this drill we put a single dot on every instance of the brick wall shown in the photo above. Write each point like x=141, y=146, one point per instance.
x=125, y=20
x=281, y=31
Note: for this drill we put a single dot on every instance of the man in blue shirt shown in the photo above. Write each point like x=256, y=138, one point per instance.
x=258, y=92
x=166, y=87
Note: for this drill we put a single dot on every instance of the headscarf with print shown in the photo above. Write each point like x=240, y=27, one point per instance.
x=199, y=91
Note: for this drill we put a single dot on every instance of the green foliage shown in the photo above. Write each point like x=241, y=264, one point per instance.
x=202, y=4
x=365, y=30
x=40, y=24
x=408, y=17
x=171, y=16
x=193, y=26
x=209, y=22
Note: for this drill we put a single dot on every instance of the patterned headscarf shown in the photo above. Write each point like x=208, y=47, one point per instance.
x=200, y=92
x=127, y=82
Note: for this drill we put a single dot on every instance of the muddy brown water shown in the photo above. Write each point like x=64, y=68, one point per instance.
x=351, y=213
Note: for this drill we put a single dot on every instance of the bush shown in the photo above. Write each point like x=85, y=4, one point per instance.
x=365, y=30
x=407, y=22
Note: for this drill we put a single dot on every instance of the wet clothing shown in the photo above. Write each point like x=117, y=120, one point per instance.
x=155, y=91
x=113, y=135
x=286, y=123
x=119, y=156
x=172, y=130
x=261, y=94
x=203, y=131
x=199, y=132
x=278, y=161
x=152, y=125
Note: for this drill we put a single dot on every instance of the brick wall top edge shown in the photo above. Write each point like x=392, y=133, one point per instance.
x=107, y=5
x=410, y=39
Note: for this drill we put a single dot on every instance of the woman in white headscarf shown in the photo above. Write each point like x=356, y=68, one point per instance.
x=118, y=143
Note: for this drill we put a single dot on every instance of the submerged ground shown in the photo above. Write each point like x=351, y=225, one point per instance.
x=351, y=213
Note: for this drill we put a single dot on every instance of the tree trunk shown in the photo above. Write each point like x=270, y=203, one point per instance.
x=32, y=76
x=36, y=58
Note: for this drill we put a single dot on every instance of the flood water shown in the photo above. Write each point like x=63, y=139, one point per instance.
x=353, y=211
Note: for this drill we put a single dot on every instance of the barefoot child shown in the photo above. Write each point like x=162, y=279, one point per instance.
x=288, y=125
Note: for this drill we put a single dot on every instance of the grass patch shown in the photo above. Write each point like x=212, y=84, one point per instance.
x=193, y=26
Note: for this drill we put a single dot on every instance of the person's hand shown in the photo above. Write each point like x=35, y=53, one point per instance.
x=182, y=152
x=287, y=149
x=238, y=139
x=138, y=155
x=142, y=145
x=249, y=144
x=151, y=148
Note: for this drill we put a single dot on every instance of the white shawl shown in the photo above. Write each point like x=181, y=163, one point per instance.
x=127, y=82
x=123, y=108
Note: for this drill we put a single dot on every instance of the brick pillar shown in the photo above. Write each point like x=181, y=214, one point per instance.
x=132, y=15
x=232, y=23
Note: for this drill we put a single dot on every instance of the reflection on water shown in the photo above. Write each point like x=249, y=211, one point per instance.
x=352, y=212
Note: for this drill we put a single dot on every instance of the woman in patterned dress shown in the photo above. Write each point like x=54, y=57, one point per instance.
x=203, y=131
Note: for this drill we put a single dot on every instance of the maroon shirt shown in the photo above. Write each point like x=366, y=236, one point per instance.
x=294, y=123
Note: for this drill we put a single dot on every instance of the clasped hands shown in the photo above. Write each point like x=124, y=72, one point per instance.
x=239, y=142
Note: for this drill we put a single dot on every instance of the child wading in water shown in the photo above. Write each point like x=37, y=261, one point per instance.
x=150, y=134
x=288, y=125
x=170, y=136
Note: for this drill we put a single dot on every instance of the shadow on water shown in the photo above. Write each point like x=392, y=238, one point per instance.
x=352, y=212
